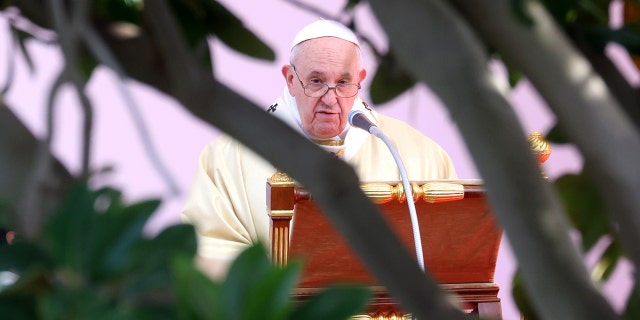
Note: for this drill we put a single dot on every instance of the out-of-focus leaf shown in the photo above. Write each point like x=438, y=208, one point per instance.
x=153, y=258
x=336, y=302
x=351, y=4
x=17, y=307
x=389, y=81
x=21, y=256
x=118, y=10
x=79, y=304
x=70, y=232
x=632, y=310
x=563, y=11
x=118, y=230
x=607, y=263
x=521, y=299
x=628, y=36
x=197, y=296
x=584, y=206
x=273, y=293
x=249, y=268
x=517, y=8
x=29, y=285
x=201, y=18
x=555, y=135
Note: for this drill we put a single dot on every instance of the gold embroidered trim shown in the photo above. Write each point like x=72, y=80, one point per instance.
x=330, y=143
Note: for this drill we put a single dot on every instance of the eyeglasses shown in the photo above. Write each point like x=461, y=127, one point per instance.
x=317, y=90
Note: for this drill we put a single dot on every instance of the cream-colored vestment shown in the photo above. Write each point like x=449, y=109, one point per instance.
x=227, y=200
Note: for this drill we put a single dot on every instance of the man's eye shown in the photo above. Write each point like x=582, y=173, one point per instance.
x=343, y=82
x=315, y=81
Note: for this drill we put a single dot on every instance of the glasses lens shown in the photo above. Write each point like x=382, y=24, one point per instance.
x=315, y=90
x=347, y=90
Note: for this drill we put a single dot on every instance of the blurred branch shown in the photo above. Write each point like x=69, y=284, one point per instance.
x=587, y=112
x=70, y=45
x=102, y=53
x=525, y=204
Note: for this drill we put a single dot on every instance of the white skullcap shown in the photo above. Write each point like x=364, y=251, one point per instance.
x=325, y=28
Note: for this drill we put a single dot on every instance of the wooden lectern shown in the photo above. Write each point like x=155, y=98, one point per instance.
x=460, y=241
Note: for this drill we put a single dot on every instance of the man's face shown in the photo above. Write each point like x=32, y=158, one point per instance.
x=324, y=60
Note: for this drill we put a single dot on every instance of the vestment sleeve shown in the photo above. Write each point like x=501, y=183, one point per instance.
x=216, y=194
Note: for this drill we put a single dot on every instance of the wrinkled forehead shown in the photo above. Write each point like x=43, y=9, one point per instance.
x=327, y=53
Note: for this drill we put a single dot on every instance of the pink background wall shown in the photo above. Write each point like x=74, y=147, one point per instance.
x=178, y=137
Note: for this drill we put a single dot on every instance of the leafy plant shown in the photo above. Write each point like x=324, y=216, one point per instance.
x=94, y=262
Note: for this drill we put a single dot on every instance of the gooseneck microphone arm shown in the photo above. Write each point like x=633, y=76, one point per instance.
x=358, y=119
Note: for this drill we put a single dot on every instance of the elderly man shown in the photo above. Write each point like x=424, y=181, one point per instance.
x=227, y=202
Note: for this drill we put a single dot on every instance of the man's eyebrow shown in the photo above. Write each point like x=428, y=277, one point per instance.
x=346, y=75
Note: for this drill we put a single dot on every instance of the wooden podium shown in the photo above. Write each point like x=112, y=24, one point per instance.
x=460, y=241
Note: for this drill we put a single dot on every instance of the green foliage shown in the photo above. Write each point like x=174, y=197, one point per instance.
x=389, y=81
x=93, y=262
x=521, y=299
x=632, y=311
x=201, y=18
x=255, y=289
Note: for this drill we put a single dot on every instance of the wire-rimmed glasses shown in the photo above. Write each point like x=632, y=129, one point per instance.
x=317, y=89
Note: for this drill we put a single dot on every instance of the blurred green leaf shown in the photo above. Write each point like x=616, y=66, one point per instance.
x=21, y=256
x=351, y=4
x=584, y=207
x=117, y=231
x=201, y=18
x=197, y=296
x=607, y=263
x=118, y=10
x=521, y=299
x=250, y=277
x=79, y=304
x=335, y=302
x=517, y=8
x=555, y=135
x=628, y=36
x=389, y=81
x=632, y=309
x=273, y=293
x=152, y=259
x=69, y=233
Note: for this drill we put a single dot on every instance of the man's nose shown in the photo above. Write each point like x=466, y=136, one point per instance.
x=331, y=95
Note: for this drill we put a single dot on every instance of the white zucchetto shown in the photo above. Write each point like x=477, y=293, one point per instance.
x=325, y=28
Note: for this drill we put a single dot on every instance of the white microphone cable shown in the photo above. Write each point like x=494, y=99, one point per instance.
x=358, y=119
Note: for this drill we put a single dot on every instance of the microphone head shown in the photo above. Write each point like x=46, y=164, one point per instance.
x=352, y=114
x=358, y=119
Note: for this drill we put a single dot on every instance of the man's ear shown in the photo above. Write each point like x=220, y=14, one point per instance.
x=287, y=73
x=362, y=75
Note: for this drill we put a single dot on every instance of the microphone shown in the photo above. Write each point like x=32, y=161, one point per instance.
x=359, y=120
